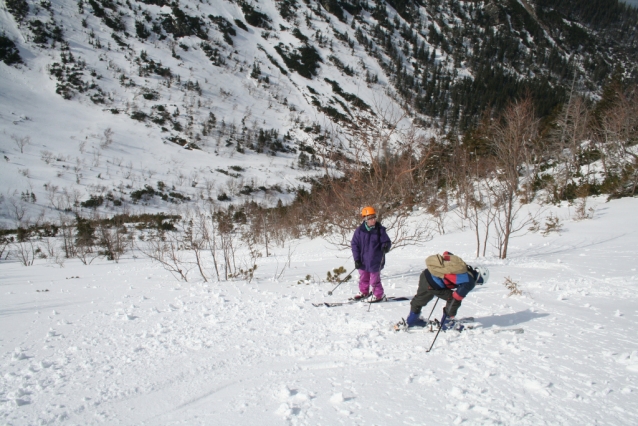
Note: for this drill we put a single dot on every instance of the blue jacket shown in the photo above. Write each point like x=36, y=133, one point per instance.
x=367, y=247
x=463, y=283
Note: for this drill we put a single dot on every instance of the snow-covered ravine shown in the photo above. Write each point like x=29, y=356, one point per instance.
x=128, y=344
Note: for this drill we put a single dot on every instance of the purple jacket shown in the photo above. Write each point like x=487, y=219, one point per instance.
x=367, y=247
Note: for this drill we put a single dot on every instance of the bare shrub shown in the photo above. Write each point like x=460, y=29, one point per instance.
x=552, y=224
x=566, y=139
x=208, y=230
x=513, y=287
x=21, y=142
x=194, y=238
x=25, y=251
x=391, y=180
x=68, y=243
x=581, y=212
x=4, y=246
x=107, y=138
x=228, y=236
x=47, y=156
x=513, y=141
x=616, y=134
x=18, y=210
x=51, y=192
x=112, y=239
x=52, y=252
x=164, y=248
x=335, y=276
x=85, y=240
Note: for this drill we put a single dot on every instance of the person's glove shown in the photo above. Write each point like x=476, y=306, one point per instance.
x=386, y=248
x=358, y=264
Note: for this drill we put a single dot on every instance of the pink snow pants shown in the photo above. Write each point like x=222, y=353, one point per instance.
x=367, y=279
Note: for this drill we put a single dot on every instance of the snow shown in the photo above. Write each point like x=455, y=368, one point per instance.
x=126, y=343
x=72, y=131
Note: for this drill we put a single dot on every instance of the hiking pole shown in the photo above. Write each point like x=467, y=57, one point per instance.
x=345, y=278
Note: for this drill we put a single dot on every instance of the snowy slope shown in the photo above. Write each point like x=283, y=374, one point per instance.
x=127, y=344
x=78, y=147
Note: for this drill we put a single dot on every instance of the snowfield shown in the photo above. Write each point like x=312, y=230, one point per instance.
x=127, y=344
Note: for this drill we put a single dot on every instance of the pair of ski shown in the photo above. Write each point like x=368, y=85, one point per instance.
x=459, y=325
x=352, y=301
x=434, y=325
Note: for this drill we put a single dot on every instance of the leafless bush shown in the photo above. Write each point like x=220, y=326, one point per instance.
x=21, y=142
x=68, y=243
x=513, y=145
x=97, y=155
x=127, y=173
x=107, y=138
x=86, y=254
x=25, y=251
x=47, y=156
x=5, y=243
x=581, y=212
x=112, y=240
x=18, y=210
x=250, y=262
x=52, y=252
x=228, y=242
x=164, y=248
x=335, y=276
x=616, y=135
x=387, y=171
x=208, y=230
x=552, y=224
x=51, y=191
x=194, y=238
x=513, y=287
x=85, y=240
x=566, y=139
x=244, y=274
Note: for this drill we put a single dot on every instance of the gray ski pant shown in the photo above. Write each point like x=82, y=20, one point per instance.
x=425, y=293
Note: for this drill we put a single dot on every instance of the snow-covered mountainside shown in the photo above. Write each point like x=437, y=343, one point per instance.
x=109, y=94
x=128, y=344
x=102, y=99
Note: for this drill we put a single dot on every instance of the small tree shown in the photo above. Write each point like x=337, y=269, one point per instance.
x=25, y=251
x=68, y=243
x=4, y=246
x=164, y=248
x=21, y=142
x=572, y=129
x=195, y=240
x=391, y=180
x=513, y=141
x=112, y=239
x=84, y=240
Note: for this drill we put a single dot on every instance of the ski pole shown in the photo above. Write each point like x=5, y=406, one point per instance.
x=438, y=331
x=437, y=301
x=345, y=278
x=437, y=335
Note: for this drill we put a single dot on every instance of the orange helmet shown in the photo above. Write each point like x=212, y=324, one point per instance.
x=367, y=211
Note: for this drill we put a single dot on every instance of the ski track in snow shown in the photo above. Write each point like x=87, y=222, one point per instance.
x=127, y=344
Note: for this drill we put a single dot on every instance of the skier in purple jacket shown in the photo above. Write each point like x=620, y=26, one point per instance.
x=370, y=243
